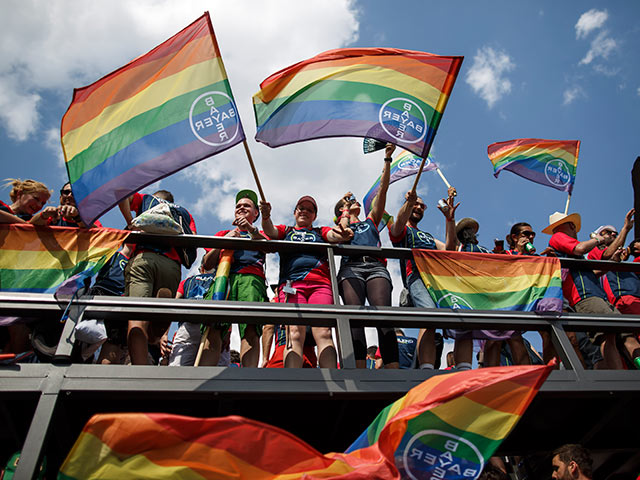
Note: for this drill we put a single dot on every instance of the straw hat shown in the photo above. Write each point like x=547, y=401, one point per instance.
x=557, y=219
x=467, y=222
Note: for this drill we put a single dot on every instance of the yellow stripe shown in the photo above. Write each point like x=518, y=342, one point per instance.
x=29, y=259
x=474, y=284
x=189, y=79
x=533, y=151
x=363, y=74
x=473, y=417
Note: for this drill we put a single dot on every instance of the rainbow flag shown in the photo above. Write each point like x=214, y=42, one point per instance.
x=451, y=423
x=489, y=281
x=391, y=95
x=161, y=112
x=38, y=259
x=219, y=289
x=405, y=164
x=548, y=162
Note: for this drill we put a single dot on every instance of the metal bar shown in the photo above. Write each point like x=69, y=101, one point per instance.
x=564, y=348
x=343, y=326
x=68, y=336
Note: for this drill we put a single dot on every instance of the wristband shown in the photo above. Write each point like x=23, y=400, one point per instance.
x=387, y=159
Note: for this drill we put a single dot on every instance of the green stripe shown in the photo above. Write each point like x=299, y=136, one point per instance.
x=339, y=90
x=493, y=300
x=541, y=158
x=43, y=278
x=373, y=432
x=429, y=420
x=169, y=113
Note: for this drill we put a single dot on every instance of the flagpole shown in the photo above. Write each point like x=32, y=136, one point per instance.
x=415, y=183
x=566, y=208
x=253, y=169
x=442, y=177
x=203, y=340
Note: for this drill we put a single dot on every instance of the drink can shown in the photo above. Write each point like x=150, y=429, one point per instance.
x=443, y=205
x=529, y=247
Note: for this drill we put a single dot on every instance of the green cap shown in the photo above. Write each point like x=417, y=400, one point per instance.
x=250, y=194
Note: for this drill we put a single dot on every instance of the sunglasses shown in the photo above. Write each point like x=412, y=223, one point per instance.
x=528, y=233
x=64, y=192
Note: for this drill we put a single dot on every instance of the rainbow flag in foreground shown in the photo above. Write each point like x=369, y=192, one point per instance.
x=489, y=281
x=548, y=162
x=392, y=95
x=38, y=259
x=446, y=427
x=405, y=164
x=219, y=289
x=161, y=112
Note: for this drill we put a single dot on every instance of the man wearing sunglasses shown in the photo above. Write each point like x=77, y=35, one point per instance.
x=68, y=215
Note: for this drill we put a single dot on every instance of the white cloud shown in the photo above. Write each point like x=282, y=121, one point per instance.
x=601, y=46
x=18, y=109
x=487, y=74
x=638, y=91
x=573, y=93
x=589, y=21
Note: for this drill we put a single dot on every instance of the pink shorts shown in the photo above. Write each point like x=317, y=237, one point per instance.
x=307, y=292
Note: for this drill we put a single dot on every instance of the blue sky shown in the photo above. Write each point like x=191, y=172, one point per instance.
x=546, y=69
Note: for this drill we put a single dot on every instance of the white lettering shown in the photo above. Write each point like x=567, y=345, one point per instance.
x=225, y=116
x=395, y=117
x=470, y=473
x=199, y=125
x=232, y=112
x=455, y=468
x=407, y=107
x=439, y=472
x=209, y=101
x=208, y=122
x=451, y=445
x=386, y=114
x=430, y=459
x=213, y=110
x=419, y=128
x=224, y=136
x=416, y=453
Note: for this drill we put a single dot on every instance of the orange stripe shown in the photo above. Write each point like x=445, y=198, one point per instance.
x=502, y=149
x=505, y=397
x=25, y=238
x=133, y=80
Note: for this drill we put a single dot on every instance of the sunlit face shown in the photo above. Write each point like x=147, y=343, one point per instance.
x=609, y=236
x=304, y=214
x=245, y=208
x=66, y=196
x=418, y=211
x=31, y=203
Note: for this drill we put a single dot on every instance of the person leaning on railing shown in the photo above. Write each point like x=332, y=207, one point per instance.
x=304, y=278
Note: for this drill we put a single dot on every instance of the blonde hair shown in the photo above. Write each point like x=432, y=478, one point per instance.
x=26, y=186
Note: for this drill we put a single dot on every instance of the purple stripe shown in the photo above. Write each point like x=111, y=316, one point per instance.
x=111, y=193
x=534, y=176
x=285, y=135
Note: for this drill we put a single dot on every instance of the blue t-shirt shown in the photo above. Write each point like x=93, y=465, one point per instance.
x=474, y=248
x=406, y=350
x=303, y=266
x=246, y=261
x=111, y=276
x=196, y=286
x=413, y=238
x=365, y=234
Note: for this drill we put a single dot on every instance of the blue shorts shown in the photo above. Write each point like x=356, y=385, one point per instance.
x=363, y=271
x=419, y=294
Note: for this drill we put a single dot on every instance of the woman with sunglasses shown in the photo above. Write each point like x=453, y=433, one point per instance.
x=304, y=277
x=67, y=212
x=363, y=277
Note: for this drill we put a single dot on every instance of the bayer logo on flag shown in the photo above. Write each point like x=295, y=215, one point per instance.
x=557, y=172
x=438, y=455
x=214, y=119
x=412, y=163
x=403, y=120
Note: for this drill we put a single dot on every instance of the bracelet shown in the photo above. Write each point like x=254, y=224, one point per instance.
x=387, y=159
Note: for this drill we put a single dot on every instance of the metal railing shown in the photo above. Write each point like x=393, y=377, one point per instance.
x=55, y=380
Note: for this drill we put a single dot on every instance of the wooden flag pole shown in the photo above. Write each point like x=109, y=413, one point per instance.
x=442, y=177
x=415, y=184
x=566, y=208
x=203, y=340
x=253, y=169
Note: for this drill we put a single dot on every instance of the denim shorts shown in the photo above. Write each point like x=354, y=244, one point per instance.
x=363, y=271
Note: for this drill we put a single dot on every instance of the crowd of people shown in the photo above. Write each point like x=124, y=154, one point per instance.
x=151, y=270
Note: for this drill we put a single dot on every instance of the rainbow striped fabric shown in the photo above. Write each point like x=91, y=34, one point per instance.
x=450, y=423
x=405, y=164
x=220, y=287
x=548, y=162
x=391, y=95
x=488, y=281
x=38, y=259
x=163, y=111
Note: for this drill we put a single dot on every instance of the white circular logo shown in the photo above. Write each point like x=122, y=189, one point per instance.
x=403, y=120
x=216, y=120
x=303, y=237
x=557, y=172
x=438, y=455
x=425, y=237
x=455, y=301
x=362, y=227
x=413, y=163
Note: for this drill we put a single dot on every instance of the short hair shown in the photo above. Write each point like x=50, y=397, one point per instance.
x=577, y=453
x=491, y=472
x=234, y=356
x=372, y=350
x=164, y=195
x=25, y=186
x=337, y=210
x=515, y=230
x=400, y=331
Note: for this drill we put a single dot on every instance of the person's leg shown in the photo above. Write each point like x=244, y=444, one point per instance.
x=518, y=350
x=379, y=295
x=212, y=347
x=426, y=349
x=320, y=294
x=608, y=346
x=491, y=353
x=249, y=346
x=111, y=354
x=463, y=353
x=295, y=333
x=352, y=291
x=248, y=288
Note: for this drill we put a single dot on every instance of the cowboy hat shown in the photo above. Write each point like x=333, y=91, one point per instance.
x=557, y=219
x=467, y=222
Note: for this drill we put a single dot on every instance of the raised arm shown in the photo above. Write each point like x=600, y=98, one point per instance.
x=125, y=209
x=378, y=207
x=267, y=225
x=403, y=214
x=622, y=236
x=449, y=213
